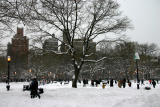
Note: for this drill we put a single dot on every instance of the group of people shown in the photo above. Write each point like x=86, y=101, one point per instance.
x=121, y=83
x=110, y=82
x=153, y=82
x=85, y=81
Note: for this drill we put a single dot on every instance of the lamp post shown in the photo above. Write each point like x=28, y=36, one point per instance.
x=9, y=60
x=137, y=58
x=30, y=73
x=49, y=75
x=14, y=73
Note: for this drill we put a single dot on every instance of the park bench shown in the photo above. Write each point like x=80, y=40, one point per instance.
x=26, y=88
x=40, y=90
x=66, y=83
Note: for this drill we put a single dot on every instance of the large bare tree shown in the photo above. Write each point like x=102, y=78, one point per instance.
x=85, y=19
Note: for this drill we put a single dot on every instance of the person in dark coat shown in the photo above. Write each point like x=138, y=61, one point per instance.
x=153, y=83
x=84, y=82
x=108, y=82
x=115, y=81
x=97, y=82
x=34, y=88
x=129, y=83
x=111, y=83
x=92, y=83
x=124, y=83
x=142, y=82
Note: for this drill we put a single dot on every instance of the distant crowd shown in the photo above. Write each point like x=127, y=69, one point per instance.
x=121, y=83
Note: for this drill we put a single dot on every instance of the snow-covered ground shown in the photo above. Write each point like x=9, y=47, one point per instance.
x=57, y=95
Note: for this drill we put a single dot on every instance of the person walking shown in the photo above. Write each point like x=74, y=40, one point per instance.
x=111, y=83
x=129, y=83
x=124, y=83
x=142, y=82
x=150, y=81
x=34, y=88
x=153, y=83
x=119, y=83
x=84, y=82
x=92, y=83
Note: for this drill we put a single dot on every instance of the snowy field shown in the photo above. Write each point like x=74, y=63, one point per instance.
x=57, y=95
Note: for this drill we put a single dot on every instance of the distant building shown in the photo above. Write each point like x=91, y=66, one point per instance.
x=64, y=46
x=19, y=45
x=18, y=50
x=78, y=44
x=50, y=45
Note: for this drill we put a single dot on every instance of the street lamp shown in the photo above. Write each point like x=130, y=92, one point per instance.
x=30, y=70
x=15, y=76
x=30, y=73
x=136, y=57
x=15, y=73
x=9, y=60
x=49, y=75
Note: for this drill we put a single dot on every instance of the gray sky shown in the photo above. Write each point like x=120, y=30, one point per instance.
x=145, y=17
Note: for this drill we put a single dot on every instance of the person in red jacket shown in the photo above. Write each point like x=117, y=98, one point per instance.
x=150, y=81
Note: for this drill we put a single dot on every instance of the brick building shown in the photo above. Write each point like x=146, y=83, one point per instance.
x=18, y=50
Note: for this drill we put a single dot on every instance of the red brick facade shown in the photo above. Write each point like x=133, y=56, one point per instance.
x=18, y=50
x=19, y=43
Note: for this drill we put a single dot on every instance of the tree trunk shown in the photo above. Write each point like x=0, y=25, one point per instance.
x=74, y=83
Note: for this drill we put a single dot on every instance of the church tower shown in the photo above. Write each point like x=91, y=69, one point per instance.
x=20, y=43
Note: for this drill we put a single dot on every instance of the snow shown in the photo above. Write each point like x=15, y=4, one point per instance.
x=57, y=95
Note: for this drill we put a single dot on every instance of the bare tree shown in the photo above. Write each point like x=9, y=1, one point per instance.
x=6, y=24
x=149, y=59
x=82, y=19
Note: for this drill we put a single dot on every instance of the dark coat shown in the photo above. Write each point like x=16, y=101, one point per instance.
x=111, y=83
x=34, y=85
x=34, y=89
x=153, y=82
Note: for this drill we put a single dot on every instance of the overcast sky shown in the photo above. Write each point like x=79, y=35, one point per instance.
x=145, y=17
